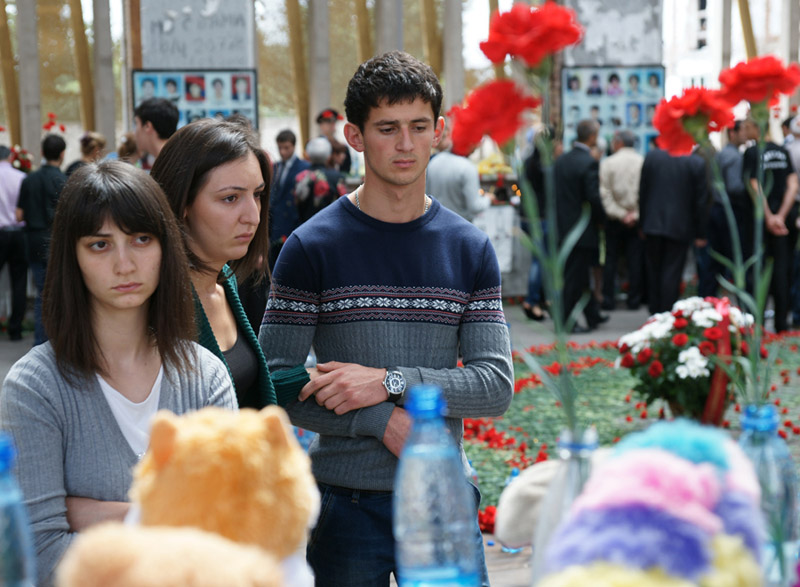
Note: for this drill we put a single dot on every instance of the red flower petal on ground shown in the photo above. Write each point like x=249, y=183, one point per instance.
x=627, y=361
x=759, y=79
x=629, y=418
x=493, y=109
x=643, y=415
x=644, y=355
x=655, y=369
x=782, y=434
x=684, y=120
x=680, y=339
x=531, y=33
x=726, y=424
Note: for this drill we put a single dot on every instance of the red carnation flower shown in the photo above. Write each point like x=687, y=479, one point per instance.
x=531, y=33
x=707, y=348
x=687, y=119
x=714, y=333
x=680, y=323
x=644, y=355
x=759, y=79
x=624, y=349
x=627, y=361
x=655, y=369
x=680, y=339
x=491, y=109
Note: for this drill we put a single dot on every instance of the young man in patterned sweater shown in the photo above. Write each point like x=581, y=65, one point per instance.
x=391, y=288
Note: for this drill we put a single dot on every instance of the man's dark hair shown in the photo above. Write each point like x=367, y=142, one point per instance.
x=785, y=124
x=585, y=129
x=52, y=147
x=286, y=136
x=5, y=152
x=626, y=137
x=392, y=77
x=161, y=113
x=737, y=126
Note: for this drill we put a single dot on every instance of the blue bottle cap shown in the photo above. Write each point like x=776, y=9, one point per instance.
x=7, y=452
x=762, y=418
x=425, y=401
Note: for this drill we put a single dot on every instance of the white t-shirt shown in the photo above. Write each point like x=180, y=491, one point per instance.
x=134, y=419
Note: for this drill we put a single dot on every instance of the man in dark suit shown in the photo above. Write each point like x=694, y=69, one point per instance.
x=673, y=209
x=283, y=217
x=577, y=184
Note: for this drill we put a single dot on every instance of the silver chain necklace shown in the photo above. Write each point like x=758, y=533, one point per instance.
x=424, y=210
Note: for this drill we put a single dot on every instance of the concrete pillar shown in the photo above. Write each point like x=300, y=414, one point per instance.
x=388, y=25
x=727, y=25
x=453, y=54
x=319, y=72
x=29, y=90
x=105, y=115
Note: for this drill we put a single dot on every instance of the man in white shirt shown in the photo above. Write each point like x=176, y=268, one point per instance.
x=12, y=241
x=619, y=193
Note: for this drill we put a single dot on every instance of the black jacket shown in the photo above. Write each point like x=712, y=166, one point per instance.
x=673, y=196
x=577, y=182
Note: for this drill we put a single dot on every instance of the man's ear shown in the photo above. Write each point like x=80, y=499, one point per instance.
x=354, y=137
x=438, y=130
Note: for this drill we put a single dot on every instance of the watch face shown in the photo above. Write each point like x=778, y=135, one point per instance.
x=395, y=383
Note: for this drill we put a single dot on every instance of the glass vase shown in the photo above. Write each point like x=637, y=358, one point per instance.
x=778, y=479
x=567, y=484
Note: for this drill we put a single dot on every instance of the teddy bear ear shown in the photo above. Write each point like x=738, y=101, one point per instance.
x=162, y=437
x=276, y=425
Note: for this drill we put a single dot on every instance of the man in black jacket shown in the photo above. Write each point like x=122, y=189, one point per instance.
x=578, y=184
x=673, y=209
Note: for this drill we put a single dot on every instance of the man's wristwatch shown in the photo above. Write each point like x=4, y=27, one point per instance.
x=395, y=384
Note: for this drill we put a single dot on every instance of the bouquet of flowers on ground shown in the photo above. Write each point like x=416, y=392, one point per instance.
x=21, y=159
x=676, y=355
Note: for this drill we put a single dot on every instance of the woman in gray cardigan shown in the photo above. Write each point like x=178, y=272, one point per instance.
x=118, y=312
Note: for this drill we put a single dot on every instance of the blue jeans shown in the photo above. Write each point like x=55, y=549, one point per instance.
x=38, y=270
x=352, y=544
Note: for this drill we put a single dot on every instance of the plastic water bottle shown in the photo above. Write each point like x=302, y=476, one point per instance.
x=16, y=545
x=473, y=474
x=779, y=486
x=512, y=475
x=434, y=511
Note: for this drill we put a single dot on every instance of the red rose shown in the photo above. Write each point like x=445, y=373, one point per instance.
x=644, y=355
x=680, y=339
x=707, y=348
x=531, y=33
x=759, y=79
x=680, y=323
x=491, y=109
x=687, y=119
x=627, y=361
x=655, y=369
x=714, y=333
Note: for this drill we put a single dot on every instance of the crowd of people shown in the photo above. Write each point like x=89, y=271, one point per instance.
x=152, y=272
x=653, y=210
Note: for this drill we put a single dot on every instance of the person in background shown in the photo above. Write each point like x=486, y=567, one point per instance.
x=786, y=129
x=619, y=192
x=215, y=174
x=282, y=209
x=155, y=122
x=326, y=121
x=92, y=145
x=12, y=241
x=780, y=215
x=319, y=185
x=454, y=181
x=118, y=312
x=38, y=196
x=391, y=287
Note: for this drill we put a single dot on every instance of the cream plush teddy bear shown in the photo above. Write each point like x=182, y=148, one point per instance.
x=240, y=477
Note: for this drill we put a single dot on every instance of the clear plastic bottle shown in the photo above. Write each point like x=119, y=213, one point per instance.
x=434, y=510
x=510, y=479
x=779, y=485
x=16, y=545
